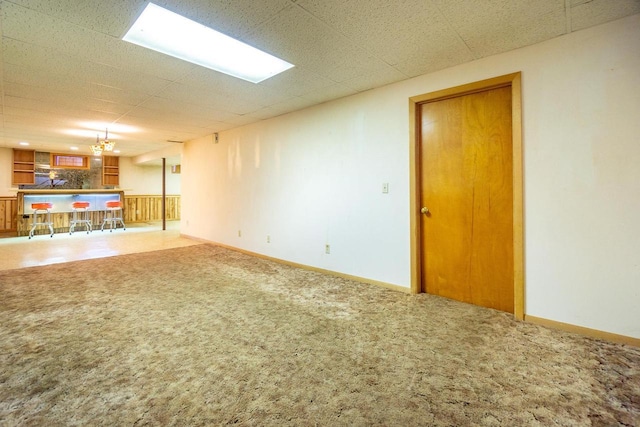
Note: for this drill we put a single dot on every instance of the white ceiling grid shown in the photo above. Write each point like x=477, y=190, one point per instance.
x=64, y=63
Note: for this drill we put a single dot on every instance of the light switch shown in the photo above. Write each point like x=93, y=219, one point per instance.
x=385, y=187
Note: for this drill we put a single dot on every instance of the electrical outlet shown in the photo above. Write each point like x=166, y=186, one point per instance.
x=327, y=249
x=239, y=233
x=268, y=239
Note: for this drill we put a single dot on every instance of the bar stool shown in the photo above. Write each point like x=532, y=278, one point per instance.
x=80, y=215
x=113, y=214
x=40, y=210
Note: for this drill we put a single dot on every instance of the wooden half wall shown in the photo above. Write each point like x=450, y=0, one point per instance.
x=8, y=214
x=144, y=208
x=149, y=208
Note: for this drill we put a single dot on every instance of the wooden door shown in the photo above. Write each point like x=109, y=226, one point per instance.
x=467, y=186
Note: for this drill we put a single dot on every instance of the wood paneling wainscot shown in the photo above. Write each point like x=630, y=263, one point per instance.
x=8, y=214
x=141, y=208
x=146, y=208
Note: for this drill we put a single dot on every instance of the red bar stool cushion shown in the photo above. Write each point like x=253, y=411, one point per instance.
x=79, y=205
x=39, y=206
x=113, y=215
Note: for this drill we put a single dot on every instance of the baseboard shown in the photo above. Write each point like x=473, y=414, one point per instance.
x=305, y=267
x=592, y=333
x=197, y=239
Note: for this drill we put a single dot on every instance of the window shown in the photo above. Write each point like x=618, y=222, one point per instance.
x=69, y=161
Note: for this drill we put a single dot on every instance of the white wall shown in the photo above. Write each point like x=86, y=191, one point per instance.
x=146, y=180
x=315, y=177
x=6, y=167
x=307, y=179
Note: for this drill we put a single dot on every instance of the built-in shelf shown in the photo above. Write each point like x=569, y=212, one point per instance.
x=110, y=170
x=24, y=167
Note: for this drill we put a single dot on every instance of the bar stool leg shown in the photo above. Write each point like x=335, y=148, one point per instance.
x=106, y=219
x=74, y=221
x=36, y=222
x=109, y=217
x=113, y=219
x=87, y=220
x=80, y=216
x=50, y=223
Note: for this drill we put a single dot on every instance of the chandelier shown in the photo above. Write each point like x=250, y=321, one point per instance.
x=104, y=145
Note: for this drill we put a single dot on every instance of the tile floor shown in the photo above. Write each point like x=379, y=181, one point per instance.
x=19, y=252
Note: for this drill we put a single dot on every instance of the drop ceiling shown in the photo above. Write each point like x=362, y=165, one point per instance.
x=66, y=72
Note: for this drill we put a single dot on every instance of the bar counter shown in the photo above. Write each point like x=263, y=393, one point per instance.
x=62, y=201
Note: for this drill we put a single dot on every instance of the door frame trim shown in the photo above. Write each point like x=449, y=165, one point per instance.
x=514, y=81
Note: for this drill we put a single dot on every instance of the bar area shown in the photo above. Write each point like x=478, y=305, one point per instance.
x=76, y=193
x=60, y=205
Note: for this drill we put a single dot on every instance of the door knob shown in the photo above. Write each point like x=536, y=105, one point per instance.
x=424, y=210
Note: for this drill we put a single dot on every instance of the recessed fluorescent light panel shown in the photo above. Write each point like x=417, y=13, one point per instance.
x=164, y=31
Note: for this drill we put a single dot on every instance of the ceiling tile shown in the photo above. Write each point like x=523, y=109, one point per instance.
x=372, y=79
x=184, y=108
x=235, y=18
x=73, y=107
x=287, y=106
x=336, y=91
x=375, y=28
x=301, y=39
x=586, y=14
x=209, y=98
x=499, y=26
x=203, y=80
x=43, y=61
x=297, y=81
x=35, y=28
x=113, y=17
x=71, y=93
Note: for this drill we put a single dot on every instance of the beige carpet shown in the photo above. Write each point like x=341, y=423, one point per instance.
x=207, y=336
